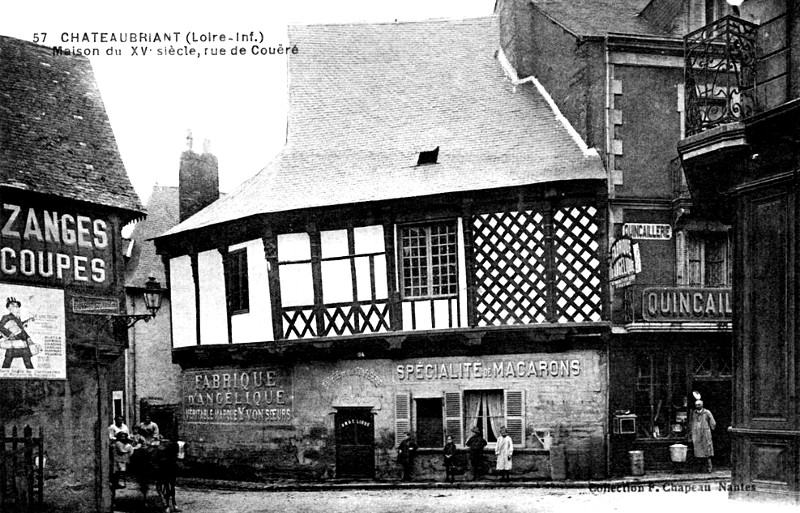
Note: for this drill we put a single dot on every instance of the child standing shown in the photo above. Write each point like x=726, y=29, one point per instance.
x=449, y=456
x=122, y=455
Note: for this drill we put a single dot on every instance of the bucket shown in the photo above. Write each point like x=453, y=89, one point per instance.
x=637, y=463
x=677, y=453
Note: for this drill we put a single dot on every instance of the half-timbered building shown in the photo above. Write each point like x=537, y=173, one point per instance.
x=426, y=254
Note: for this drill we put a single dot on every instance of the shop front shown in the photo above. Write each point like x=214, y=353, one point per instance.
x=345, y=419
x=680, y=349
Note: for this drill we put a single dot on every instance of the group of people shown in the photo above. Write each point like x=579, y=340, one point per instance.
x=702, y=422
x=124, y=443
x=504, y=449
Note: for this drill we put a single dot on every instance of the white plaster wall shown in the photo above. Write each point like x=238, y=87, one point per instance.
x=182, y=302
x=213, y=309
x=256, y=325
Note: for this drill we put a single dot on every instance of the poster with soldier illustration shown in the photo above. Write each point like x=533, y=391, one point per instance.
x=32, y=333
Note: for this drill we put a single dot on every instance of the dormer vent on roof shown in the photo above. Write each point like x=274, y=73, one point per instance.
x=428, y=157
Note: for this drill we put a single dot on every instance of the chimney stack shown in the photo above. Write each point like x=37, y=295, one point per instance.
x=198, y=181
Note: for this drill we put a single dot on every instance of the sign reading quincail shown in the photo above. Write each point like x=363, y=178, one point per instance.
x=683, y=304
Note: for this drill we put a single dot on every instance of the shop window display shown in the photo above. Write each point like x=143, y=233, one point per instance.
x=661, y=400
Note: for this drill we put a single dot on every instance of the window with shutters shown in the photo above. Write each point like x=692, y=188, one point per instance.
x=707, y=259
x=490, y=410
x=430, y=423
x=458, y=412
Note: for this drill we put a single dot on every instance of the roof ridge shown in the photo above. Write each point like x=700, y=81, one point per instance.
x=396, y=22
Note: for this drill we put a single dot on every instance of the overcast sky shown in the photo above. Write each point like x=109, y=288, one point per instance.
x=238, y=102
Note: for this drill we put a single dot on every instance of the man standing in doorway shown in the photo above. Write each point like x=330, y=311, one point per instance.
x=701, y=424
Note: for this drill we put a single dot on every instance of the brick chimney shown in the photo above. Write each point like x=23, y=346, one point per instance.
x=198, y=181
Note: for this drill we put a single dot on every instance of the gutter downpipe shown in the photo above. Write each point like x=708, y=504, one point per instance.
x=609, y=236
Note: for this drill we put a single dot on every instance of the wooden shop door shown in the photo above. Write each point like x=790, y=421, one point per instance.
x=355, y=442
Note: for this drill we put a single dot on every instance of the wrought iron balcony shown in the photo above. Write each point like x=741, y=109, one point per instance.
x=720, y=74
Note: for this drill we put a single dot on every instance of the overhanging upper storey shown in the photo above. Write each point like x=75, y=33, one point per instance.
x=423, y=189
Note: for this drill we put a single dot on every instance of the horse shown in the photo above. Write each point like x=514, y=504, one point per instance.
x=157, y=464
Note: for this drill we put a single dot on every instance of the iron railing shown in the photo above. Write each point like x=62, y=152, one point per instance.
x=22, y=463
x=720, y=73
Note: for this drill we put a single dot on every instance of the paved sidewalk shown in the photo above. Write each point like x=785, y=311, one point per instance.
x=619, y=483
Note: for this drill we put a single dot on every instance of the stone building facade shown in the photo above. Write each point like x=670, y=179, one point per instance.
x=65, y=197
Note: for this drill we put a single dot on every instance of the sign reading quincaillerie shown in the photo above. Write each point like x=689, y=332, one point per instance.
x=647, y=231
x=684, y=304
x=238, y=396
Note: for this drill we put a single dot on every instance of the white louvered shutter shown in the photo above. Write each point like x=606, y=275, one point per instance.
x=515, y=416
x=453, y=422
x=402, y=416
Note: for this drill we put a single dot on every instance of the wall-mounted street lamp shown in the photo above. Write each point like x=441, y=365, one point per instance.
x=153, y=295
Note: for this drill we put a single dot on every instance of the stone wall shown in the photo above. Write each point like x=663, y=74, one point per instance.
x=565, y=394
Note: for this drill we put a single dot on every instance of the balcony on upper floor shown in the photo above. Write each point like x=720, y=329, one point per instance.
x=721, y=74
x=736, y=73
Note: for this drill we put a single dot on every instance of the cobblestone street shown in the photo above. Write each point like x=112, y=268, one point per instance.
x=661, y=497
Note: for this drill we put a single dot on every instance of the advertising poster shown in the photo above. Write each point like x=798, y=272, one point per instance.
x=32, y=333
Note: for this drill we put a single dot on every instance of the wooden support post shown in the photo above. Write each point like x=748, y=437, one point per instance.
x=316, y=274
x=469, y=260
x=226, y=276
x=27, y=433
x=196, y=278
x=3, y=464
x=14, y=466
x=40, y=468
x=550, y=263
x=395, y=305
x=270, y=242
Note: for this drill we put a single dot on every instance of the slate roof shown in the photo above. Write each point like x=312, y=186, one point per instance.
x=162, y=214
x=599, y=17
x=365, y=99
x=55, y=137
